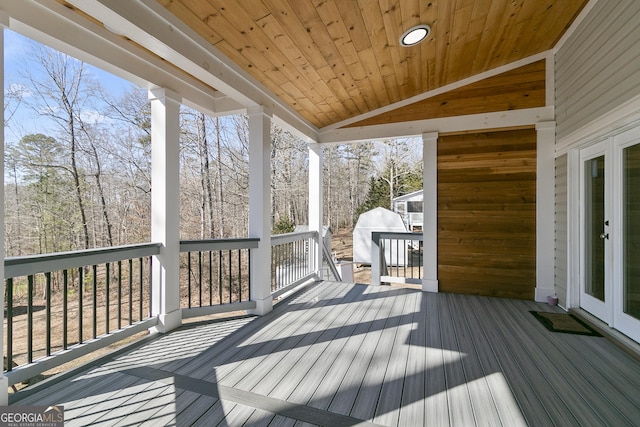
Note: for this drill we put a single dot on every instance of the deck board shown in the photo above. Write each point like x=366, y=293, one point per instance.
x=587, y=383
x=437, y=406
x=480, y=394
x=128, y=408
x=261, y=340
x=387, y=411
x=343, y=383
x=213, y=415
x=507, y=408
x=368, y=395
x=412, y=402
x=342, y=354
x=399, y=369
x=300, y=362
x=567, y=386
x=328, y=380
x=521, y=370
x=458, y=393
x=276, y=363
x=189, y=406
x=87, y=411
x=558, y=375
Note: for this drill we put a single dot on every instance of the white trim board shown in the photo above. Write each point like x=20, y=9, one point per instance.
x=497, y=120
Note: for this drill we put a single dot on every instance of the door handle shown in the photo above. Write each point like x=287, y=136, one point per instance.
x=604, y=236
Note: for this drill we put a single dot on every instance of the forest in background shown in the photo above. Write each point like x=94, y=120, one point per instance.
x=81, y=179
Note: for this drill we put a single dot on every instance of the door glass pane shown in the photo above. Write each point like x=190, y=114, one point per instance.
x=594, y=226
x=631, y=234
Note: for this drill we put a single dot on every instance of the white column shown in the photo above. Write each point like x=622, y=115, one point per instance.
x=545, y=210
x=4, y=381
x=165, y=210
x=315, y=201
x=260, y=207
x=430, y=211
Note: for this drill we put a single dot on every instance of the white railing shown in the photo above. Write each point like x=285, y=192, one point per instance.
x=396, y=258
x=293, y=260
x=215, y=276
x=65, y=305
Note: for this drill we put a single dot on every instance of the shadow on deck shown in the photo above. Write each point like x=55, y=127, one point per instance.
x=341, y=354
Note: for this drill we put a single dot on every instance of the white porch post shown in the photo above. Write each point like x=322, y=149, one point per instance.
x=315, y=201
x=260, y=207
x=430, y=211
x=4, y=381
x=165, y=211
x=545, y=210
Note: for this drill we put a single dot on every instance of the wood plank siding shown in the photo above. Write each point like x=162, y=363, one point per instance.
x=339, y=354
x=560, y=230
x=517, y=89
x=597, y=67
x=487, y=213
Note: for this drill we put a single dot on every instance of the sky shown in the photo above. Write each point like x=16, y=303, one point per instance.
x=17, y=59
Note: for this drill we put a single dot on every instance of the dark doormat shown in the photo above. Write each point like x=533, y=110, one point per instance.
x=564, y=323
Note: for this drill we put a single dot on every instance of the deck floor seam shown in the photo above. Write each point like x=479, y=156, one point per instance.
x=246, y=398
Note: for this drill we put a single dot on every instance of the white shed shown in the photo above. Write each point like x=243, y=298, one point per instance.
x=378, y=219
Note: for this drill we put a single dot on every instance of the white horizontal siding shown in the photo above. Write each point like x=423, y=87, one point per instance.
x=598, y=68
x=560, y=256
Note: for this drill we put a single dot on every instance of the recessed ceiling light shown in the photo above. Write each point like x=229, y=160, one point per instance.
x=415, y=35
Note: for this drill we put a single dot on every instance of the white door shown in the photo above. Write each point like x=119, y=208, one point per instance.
x=626, y=279
x=596, y=293
x=610, y=231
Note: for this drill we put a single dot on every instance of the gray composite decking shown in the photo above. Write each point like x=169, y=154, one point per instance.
x=341, y=355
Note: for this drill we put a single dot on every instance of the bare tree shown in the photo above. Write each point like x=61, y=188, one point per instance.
x=63, y=94
x=205, y=174
x=399, y=158
x=218, y=136
x=47, y=186
x=12, y=99
x=130, y=114
x=289, y=177
x=94, y=138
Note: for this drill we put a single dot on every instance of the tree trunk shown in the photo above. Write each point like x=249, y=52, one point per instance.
x=76, y=176
x=103, y=202
x=220, y=182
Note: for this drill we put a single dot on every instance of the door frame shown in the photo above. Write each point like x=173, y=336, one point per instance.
x=619, y=139
x=602, y=309
x=621, y=321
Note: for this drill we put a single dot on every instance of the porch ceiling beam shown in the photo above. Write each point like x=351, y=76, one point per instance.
x=149, y=24
x=501, y=119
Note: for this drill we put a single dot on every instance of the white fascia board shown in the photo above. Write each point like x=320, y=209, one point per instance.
x=54, y=25
x=152, y=26
x=501, y=119
x=443, y=89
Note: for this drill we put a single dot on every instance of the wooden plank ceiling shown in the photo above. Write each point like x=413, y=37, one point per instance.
x=333, y=60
